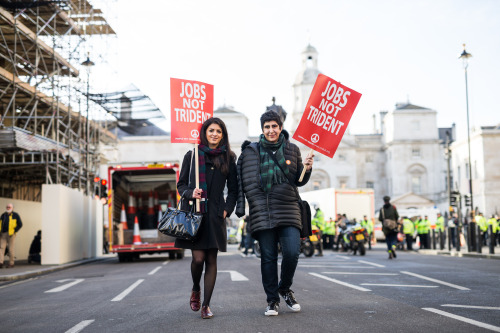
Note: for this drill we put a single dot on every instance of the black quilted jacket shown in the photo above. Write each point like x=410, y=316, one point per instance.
x=280, y=206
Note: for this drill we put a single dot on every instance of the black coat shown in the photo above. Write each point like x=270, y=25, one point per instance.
x=280, y=206
x=213, y=232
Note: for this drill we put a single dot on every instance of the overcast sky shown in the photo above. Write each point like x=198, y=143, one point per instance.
x=390, y=51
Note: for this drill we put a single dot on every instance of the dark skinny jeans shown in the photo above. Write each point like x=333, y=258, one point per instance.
x=289, y=239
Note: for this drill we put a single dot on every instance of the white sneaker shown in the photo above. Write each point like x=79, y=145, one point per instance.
x=272, y=309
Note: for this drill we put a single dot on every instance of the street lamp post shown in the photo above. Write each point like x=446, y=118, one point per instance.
x=88, y=64
x=465, y=60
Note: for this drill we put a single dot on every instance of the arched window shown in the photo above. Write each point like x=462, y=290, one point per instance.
x=417, y=175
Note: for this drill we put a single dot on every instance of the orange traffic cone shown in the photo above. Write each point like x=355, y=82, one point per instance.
x=123, y=218
x=137, y=234
x=151, y=208
x=131, y=204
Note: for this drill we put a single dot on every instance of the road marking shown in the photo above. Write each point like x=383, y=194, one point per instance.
x=436, y=281
x=235, y=276
x=127, y=291
x=80, y=326
x=472, y=307
x=339, y=282
x=154, y=270
x=65, y=286
x=353, y=273
x=333, y=266
x=370, y=263
x=165, y=262
x=464, y=319
x=342, y=257
x=397, y=285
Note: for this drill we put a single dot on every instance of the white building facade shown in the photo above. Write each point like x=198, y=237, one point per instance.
x=485, y=165
x=405, y=160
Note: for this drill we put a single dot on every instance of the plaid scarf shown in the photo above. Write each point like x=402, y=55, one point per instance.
x=270, y=173
x=202, y=150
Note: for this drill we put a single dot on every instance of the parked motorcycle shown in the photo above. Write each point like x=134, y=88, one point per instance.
x=354, y=239
x=307, y=245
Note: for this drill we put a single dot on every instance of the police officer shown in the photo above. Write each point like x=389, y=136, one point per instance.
x=368, y=225
x=494, y=228
x=319, y=222
x=423, y=229
x=329, y=234
x=483, y=226
x=408, y=230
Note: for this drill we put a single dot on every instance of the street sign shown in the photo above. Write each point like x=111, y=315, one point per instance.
x=327, y=114
x=467, y=200
x=192, y=103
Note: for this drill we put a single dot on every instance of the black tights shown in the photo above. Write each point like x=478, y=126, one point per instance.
x=209, y=258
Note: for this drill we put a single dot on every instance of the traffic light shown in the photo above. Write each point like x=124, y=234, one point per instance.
x=454, y=200
x=104, y=191
x=467, y=200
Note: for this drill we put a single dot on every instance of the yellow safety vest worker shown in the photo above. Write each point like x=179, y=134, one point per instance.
x=495, y=227
x=408, y=227
x=440, y=223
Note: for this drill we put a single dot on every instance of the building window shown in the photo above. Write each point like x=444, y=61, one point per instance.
x=459, y=176
x=475, y=170
x=415, y=152
x=370, y=185
x=341, y=157
x=368, y=158
x=467, y=171
x=415, y=125
x=342, y=182
x=316, y=185
x=416, y=184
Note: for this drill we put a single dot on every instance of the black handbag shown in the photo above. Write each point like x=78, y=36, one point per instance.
x=179, y=223
x=305, y=209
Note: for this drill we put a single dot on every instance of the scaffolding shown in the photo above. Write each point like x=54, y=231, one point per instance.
x=50, y=131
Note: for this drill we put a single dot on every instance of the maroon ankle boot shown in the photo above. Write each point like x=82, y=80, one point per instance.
x=194, y=301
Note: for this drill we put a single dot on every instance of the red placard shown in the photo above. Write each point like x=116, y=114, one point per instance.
x=191, y=103
x=327, y=114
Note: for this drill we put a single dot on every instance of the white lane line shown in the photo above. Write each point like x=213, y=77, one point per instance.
x=464, y=319
x=65, y=286
x=235, y=276
x=127, y=291
x=339, y=282
x=436, y=281
x=154, y=270
x=342, y=257
x=397, y=285
x=333, y=266
x=471, y=307
x=165, y=262
x=80, y=326
x=370, y=263
x=353, y=273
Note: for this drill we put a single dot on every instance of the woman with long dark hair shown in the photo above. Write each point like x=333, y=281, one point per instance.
x=216, y=167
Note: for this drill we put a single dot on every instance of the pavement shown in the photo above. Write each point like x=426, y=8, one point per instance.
x=23, y=270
